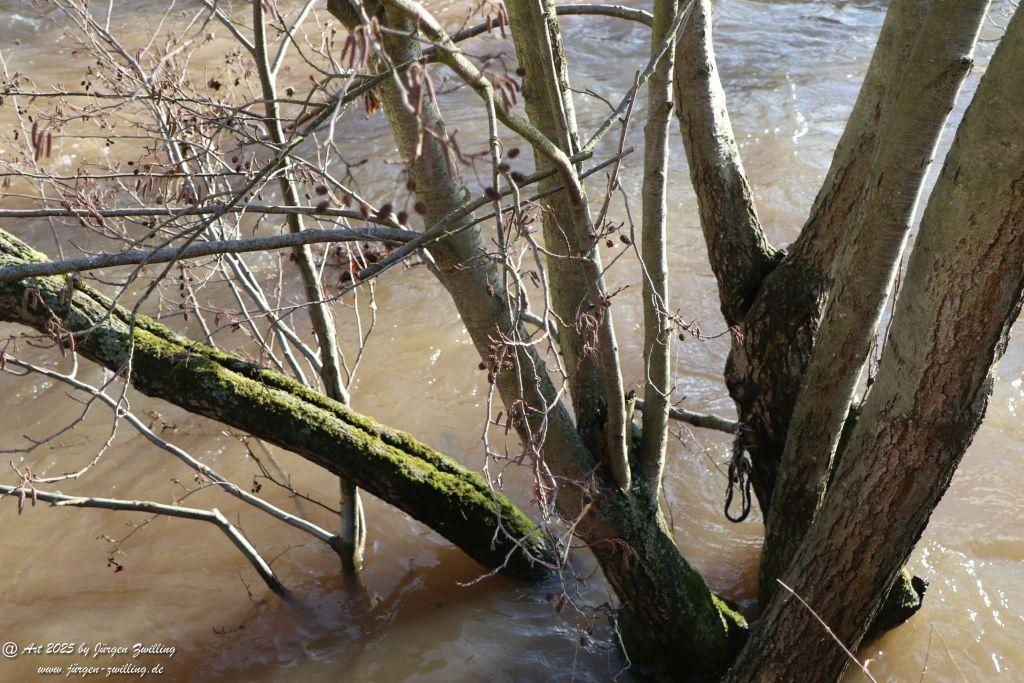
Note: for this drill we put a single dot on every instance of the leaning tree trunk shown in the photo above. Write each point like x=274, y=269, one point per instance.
x=909, y=132
x=665, y=605
x=961, y=294
x=774, y=301
x=429, y=486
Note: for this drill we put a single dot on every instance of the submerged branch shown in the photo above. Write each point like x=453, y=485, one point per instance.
x=213, y=516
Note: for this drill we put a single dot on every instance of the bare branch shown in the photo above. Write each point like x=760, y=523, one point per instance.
x=713, y=422
x=213, y=516
x=211, y=248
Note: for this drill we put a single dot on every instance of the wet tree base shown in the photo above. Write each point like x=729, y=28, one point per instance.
x=904, y=600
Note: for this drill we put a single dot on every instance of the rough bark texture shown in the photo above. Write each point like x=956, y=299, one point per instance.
x=768, y=359
x=909, y=130
x=962, y=292
x=428, y=485
x=777, y=302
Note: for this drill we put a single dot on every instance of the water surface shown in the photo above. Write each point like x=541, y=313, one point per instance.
x=791, y=70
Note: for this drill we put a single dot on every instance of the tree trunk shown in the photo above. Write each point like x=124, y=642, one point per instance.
x=961, y=294
x=665, y=605
x=775, y=300
x=737, y=247
x=654, y=268
x=909, y=130
x=586, y=336
x=429, y=486
x=769, y=356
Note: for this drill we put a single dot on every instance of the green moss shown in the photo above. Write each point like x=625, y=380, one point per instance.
x=392, y=465
x=735, y=623
x=903, y=601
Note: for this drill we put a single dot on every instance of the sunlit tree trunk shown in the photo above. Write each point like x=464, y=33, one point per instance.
x=740, y=254
x=909, y=131
x=774, y=301
x=586, y=334
x=776, y=333
x=961, y=294
x=654, y=269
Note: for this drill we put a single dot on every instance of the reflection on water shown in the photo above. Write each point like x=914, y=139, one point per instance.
x=791, y=71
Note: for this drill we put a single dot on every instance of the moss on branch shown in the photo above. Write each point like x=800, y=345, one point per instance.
x=430, y=486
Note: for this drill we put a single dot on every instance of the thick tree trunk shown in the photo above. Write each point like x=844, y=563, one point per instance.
x=672, y=627
x=909, y=130
x=774, y=300
x=770, y=355
x=426, y=484
x=961, y=294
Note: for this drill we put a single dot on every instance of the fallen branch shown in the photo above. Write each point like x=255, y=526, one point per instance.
x=429, y=486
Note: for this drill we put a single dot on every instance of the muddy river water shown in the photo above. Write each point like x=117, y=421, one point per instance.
x=791, y=71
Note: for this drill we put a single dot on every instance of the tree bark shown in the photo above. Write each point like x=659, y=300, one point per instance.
x=429, y=486
x=665, y=605
x=586, y=336
x=654, y=266
x=909, y=131
x=769, y=356
x=737, y=247
x=961, y=294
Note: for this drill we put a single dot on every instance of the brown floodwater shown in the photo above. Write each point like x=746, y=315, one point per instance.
x=791, y=70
